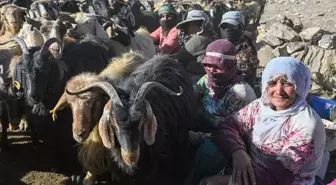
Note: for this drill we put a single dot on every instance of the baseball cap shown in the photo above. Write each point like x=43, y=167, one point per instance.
x=233, y=17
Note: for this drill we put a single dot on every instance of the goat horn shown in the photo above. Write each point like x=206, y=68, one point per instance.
x=149, y=85
x=107, y=87
x=100, y=17
x=47, y=44
x=22, y=44
x=66, y=18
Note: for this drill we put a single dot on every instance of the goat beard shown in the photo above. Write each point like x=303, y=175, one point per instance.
x=39, y=109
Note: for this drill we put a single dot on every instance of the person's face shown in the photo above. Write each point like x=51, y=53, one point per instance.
x=213, y=68
x=281, y=93
x=193, y=27
x=227, y=25
x=166, y=17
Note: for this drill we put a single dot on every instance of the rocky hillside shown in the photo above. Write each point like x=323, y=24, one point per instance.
x=312, y=13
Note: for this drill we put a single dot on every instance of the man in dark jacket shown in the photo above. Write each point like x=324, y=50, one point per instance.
x=232, y=28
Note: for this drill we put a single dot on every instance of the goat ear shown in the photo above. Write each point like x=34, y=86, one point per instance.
x=151, y=126
x=105, y=127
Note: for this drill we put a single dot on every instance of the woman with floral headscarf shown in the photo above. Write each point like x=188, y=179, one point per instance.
x=277, y=139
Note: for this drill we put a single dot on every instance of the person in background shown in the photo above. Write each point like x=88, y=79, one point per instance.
x=278, y=138
x=220, y=93
x=232, y=27
x=167, y=34
x=195, y=34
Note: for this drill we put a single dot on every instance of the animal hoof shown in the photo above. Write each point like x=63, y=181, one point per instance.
x=23, y=125
x=76, y=179
x=115, y=177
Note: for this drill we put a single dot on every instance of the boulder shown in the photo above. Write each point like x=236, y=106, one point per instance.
x=309, y=33
x=293, y=47
x=282, y=31
x=297, y=24
x=265, y=55
x=280, y=51
x=327, y=42
x=322, y=62
x=271, y=40
x=299, y=55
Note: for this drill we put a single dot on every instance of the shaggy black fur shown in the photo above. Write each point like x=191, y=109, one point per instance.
x=167, y=157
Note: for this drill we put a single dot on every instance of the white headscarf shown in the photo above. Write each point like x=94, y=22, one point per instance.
x=271, y=123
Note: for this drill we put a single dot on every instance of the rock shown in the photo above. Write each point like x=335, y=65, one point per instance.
x=265, y=55
x=297, y=24
x=320, y=14
x=271, y=40
x=280, y=51
x=308, y=33
x=298, y=55
x=293, y=47
x=282, y=31
x=327, y=42
x=317, y=2
x=322, y=62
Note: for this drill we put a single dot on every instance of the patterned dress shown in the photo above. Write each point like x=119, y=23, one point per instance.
x=292, y=156
x=215, y=109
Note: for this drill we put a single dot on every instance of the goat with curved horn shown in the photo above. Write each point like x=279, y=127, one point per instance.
x=48, y=43
x=107, y=87
x=22, y=44
x=149, y=85
x=66, y=18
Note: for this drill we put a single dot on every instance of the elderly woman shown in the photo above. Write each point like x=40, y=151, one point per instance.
x=278, y=138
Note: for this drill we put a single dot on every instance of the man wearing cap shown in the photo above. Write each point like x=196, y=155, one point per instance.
x=196, y=33
x=167, y=34
x=232, y=28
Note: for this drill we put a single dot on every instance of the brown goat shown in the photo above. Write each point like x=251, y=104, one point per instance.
x=87, y=109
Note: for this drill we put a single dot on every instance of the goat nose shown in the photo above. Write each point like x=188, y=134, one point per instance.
x=80, y=133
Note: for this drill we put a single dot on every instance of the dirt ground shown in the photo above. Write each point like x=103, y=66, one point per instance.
x=22, y=164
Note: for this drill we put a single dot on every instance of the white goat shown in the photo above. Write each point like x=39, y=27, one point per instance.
x=88, y=24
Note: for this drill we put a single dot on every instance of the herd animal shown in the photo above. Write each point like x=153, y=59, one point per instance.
x=93, y=65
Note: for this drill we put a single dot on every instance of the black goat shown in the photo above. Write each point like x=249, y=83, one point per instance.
x=145, y=123
x=149, y=20
x=44, y=78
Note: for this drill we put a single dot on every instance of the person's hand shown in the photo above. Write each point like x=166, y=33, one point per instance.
x=242, y=167
x=215, y=180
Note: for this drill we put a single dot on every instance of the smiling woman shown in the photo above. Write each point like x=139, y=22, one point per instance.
x=285, y=137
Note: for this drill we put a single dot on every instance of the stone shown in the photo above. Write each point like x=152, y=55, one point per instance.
x=308, y=33
x=282, y=31
x=265, y=55
x=293, y=47
x=299, y=55
x=297, y=24
x=322, y=62
x=271, y=40
x=327, y=42
x=280, y=51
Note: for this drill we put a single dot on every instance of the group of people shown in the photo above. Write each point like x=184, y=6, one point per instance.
x=277, y=139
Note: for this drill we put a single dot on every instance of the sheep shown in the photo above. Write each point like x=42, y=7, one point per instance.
x=88, y=24
x=44, y=8
x=144, y=124
x=85, y=131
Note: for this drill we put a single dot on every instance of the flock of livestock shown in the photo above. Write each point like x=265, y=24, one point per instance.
x=130, y=110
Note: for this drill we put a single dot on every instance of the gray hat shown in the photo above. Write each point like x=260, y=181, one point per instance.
x=194, y=15
x=233, y=17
